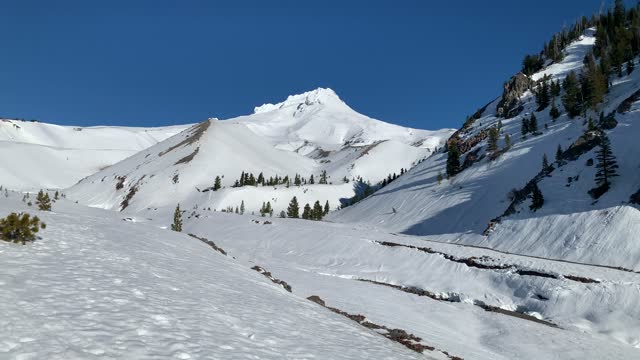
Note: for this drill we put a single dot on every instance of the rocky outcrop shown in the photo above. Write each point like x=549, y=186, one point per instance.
x=510, y=106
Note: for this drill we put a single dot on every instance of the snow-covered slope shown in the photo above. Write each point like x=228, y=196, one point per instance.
x=97, y=287
x=571, y=224
x=38, y=155
x=304, y=135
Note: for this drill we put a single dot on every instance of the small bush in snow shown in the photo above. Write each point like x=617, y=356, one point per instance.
x=20, y=228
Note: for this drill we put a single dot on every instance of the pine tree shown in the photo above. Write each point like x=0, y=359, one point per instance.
x=56, y=196
x=555, y=89
x=554, y=112
x=542, y=96
x=217, y=184
x=317, y=211
x=439, y=178
x=326, y=208
x=43, y=201
x=507, y=142
x=323, y=177
x=545, y=163
x=594, y=84
x=537, y=200
x=453, y=160
x=242, y=208
x=311, y=180
x=177, y=220
x=559, y=154
x=606, y=165
x=306, y=213
x=260, y=179
x=533, y=124
x=630, y=66
x=493, y=139
x=572, y=99
x=524, y=127
x=20, y=228
x=293, y=211
x=283, y=214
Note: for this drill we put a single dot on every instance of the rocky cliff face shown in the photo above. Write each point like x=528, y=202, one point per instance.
x=510, y=104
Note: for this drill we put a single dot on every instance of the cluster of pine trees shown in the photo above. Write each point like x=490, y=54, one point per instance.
x=529, y=125
x=248, y=179
x=317, y=212
x=391, y=177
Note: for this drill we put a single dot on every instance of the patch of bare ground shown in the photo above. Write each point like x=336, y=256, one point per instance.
x=210, y=243
x=481, y=263
x=194, y=134
x=401, y=336
x=268, y=275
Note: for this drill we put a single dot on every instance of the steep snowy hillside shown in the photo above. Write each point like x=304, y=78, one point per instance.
x=96, y=287
x=306, y=135
x=36, y=155
x=478, y=206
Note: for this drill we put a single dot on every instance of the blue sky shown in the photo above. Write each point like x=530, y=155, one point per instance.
x=425, y=64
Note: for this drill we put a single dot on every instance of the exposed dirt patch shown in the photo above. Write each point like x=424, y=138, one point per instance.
x=270, y=277
x=455, y=298
x=194, y=134
x=481, y=263
x=188, y=158
x=625, y=106
x=132, y=191
x=401, y=336
x=120, y=183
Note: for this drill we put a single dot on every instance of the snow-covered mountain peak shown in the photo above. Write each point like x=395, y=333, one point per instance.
x=313, y=97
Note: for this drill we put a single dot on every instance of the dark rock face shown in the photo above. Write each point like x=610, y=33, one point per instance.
x=510, y=105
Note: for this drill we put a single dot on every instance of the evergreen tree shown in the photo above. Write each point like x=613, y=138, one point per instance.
x=311, y=180
x=439, y=178
x=453, y=160
x=317, y=211
x=572, y=99
x=524, y=127
x=493, y=139
x=594, y=84
x=607, y=163
x=242, y=208
x=283, y=214
x=326, y=208
x=177, y=220
x=260, y=179
x=545, y=163
x=559, y=154
x=542, y=96
x=630, y=66
x=56, y=196
x=323, y=177
x=555, y=88
x=507, y=142
x=293, y=211
x=306, y=213
x=217, y=184
x=20, y=228
x=554, y=112
x=537, y=200
x=43, y=201
x=533, y=124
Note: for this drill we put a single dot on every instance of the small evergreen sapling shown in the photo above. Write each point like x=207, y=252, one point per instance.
x=537, y=200
x=177, y=220
x=43, y=201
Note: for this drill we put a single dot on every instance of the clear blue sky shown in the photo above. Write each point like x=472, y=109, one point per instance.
x=425, y=64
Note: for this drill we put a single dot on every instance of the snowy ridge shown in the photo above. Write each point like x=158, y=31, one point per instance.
x=305, y=135
x=54, y=156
